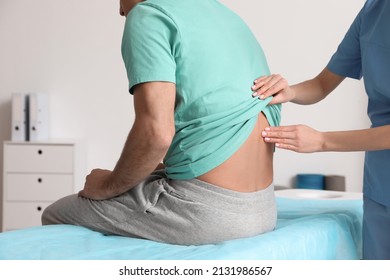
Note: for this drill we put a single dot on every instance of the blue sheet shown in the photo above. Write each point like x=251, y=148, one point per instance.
x=306, y=229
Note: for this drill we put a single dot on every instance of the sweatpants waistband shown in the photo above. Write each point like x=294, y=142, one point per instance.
x=224, y=198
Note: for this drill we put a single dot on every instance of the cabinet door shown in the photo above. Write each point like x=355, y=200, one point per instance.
x=39, y=158
x=37, y=187
x=22, y=214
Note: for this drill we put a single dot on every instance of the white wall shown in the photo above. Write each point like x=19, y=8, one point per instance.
x=70, y=49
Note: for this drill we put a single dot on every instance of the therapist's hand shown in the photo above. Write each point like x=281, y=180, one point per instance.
x=274, y=85
x=297, y=138
x=97, y=186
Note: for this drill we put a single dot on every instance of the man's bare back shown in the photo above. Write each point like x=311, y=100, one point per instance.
x=250, y=168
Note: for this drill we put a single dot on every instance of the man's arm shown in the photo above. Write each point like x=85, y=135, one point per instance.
x=146, y=145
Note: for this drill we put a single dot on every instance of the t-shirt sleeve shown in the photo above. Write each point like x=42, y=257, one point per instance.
x=149, y=42
x=347, y=60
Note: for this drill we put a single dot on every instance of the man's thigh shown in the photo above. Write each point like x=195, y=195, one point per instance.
x=122, y=215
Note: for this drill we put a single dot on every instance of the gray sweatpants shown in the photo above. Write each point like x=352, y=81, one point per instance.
x=185, y=212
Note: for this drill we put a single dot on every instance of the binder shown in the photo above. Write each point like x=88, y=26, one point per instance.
x=38, y=116
x=19, y=117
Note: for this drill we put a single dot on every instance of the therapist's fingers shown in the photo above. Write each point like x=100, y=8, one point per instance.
x=266, y=83
x=274, y=85
x=280, y=131
x=261, y=81
x=298, y=138
x=280, y=134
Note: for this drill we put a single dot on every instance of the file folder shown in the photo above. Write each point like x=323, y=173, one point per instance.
x=19, y=117
x=38, y=116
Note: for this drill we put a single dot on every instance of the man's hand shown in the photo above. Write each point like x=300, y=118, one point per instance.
x=97, y=186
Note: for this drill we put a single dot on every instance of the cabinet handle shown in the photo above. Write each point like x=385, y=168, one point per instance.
x=40, y=152
x=40, y=180
x=39, y=208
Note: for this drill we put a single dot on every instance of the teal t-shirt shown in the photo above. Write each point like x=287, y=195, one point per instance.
x=212, y=57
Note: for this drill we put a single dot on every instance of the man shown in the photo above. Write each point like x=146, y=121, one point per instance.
x=188, y=64
x=364, y=52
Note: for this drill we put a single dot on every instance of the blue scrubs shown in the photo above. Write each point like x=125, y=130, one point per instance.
x=365, y=52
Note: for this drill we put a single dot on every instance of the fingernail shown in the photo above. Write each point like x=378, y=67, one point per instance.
x=261, y=96
x=267, y=139
x=264, y=133
x=267, y=129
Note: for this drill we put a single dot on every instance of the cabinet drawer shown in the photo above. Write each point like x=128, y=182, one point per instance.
x=39, y=158
x=21, y=215
x=37, y=187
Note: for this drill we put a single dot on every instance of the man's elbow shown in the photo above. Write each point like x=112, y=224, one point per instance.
x=154, y=134
x=161, y=138
x=165, y=138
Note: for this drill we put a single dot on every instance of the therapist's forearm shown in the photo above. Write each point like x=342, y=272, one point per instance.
x=316, y=89
x=371, y=139
x=307, y=92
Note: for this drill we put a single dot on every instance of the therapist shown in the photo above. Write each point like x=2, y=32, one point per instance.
x=364, y=52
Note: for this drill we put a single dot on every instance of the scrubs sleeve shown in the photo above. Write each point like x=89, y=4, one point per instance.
x=149, y=44
x=347, y=61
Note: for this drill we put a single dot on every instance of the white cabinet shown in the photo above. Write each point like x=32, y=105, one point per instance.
x=35, y=175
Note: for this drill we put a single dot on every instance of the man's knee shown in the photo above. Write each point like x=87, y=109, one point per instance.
x=55, y=212
x=47, y=216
